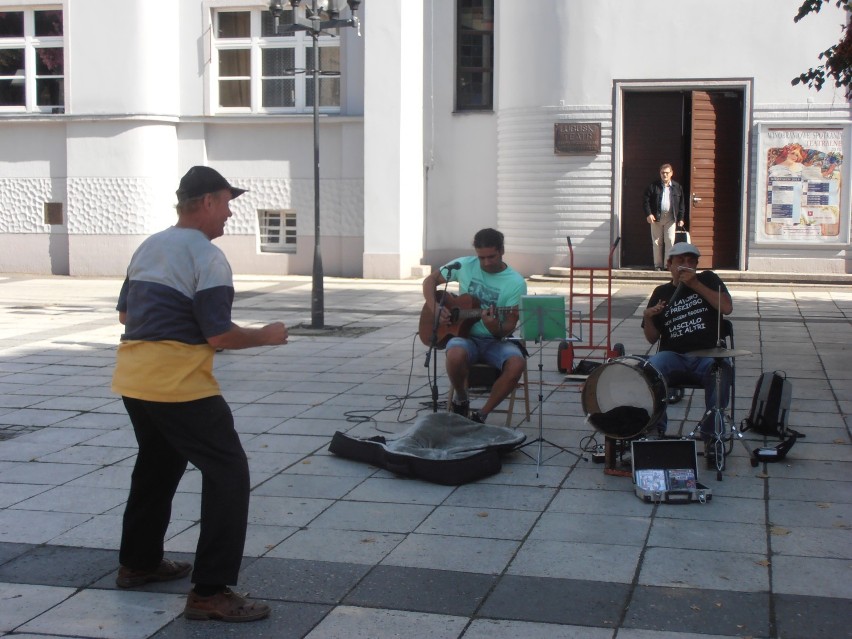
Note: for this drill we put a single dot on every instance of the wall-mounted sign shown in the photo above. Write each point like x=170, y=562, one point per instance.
x=576, y=138
x=802, y=173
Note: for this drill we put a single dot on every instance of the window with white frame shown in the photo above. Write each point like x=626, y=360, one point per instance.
x=256, y=70
x=277, y=230
x=32, y=61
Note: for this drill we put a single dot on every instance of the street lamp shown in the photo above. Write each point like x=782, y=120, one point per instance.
x=319, y=17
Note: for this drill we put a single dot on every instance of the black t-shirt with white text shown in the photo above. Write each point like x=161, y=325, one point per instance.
x=689, y=322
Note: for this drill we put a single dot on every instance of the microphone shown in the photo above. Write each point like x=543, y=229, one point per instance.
x=453, y=267
x=676, y=293
x=679, y=283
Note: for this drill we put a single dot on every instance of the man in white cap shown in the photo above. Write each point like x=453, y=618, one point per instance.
x=684, y=315
x=175, y=305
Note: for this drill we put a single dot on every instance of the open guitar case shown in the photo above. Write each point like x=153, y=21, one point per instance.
x=442, y=448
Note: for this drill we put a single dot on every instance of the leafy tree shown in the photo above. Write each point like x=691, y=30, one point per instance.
x=838, y=57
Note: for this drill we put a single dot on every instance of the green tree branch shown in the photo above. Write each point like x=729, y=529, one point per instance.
x=837, y=58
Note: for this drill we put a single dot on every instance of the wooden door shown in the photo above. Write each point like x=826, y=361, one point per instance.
x=715, y=189
x=655, y=133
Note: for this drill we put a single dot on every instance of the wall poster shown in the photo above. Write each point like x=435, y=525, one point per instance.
x=804, y=200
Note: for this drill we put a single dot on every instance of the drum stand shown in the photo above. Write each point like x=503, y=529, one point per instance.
x=719, y=445
x=540, y=440
x=715, y=445
x=614, y=450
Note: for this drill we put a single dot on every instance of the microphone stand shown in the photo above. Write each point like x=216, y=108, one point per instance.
x=433, y=345
x=676, y=293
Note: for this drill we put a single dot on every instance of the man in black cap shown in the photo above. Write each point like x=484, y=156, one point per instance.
x=684, y=315
x=176, y=307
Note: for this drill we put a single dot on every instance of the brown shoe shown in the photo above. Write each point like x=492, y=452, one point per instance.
x=224, y=606
x=168, y=570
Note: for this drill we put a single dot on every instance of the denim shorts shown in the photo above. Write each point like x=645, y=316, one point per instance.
x=486, y=350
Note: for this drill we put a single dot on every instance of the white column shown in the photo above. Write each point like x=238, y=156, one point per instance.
x=393, y=139
x=141, y=75
x=121, y=142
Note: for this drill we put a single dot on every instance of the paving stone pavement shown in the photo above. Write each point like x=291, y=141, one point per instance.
x=342, y=549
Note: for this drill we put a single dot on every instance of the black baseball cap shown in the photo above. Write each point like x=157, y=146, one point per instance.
x=200, y=180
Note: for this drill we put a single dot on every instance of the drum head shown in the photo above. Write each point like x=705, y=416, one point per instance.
x=624, y=397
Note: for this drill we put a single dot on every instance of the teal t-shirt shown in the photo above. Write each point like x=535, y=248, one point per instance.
x=503, y=289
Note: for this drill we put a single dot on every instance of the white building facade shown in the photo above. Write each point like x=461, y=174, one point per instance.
x=543, y=118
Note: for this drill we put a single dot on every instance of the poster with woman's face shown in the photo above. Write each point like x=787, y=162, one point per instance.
x=803, y=186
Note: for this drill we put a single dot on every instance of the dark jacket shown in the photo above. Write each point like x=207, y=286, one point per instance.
x=653, y=195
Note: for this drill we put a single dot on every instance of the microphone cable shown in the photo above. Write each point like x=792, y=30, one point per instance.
x=360, y=416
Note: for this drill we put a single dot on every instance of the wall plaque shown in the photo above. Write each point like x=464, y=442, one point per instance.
x=576, y=138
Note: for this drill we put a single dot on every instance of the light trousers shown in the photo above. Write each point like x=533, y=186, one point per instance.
x=662, y=237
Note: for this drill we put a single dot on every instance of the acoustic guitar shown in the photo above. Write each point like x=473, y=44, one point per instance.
x=465, y=311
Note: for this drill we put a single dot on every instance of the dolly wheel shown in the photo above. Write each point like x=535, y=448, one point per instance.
x=565, y=357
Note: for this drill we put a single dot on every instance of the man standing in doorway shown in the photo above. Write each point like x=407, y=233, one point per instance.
x=664, y=210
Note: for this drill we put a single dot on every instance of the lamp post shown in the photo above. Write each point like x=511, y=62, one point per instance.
x=319, y=17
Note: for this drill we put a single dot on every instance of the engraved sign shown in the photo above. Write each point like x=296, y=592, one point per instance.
x=576, y=138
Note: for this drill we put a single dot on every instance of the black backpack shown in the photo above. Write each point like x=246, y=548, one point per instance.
x=770, y=406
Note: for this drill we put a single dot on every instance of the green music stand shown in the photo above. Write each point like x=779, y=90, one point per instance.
x=543, y=318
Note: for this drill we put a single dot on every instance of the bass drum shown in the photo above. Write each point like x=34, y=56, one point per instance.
x=624, y=397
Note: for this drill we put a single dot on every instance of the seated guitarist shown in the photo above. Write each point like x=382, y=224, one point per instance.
x=498, y=289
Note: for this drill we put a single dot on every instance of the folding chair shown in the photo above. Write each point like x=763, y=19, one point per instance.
x=481, y=378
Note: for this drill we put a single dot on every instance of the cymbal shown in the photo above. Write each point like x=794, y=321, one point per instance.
x=719, y=352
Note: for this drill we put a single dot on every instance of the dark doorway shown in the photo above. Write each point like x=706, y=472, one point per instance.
x=700, y=134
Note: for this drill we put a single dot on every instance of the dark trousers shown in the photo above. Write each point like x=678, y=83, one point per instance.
x=169, y=435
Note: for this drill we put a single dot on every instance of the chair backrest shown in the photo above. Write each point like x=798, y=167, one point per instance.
x=727, y=332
